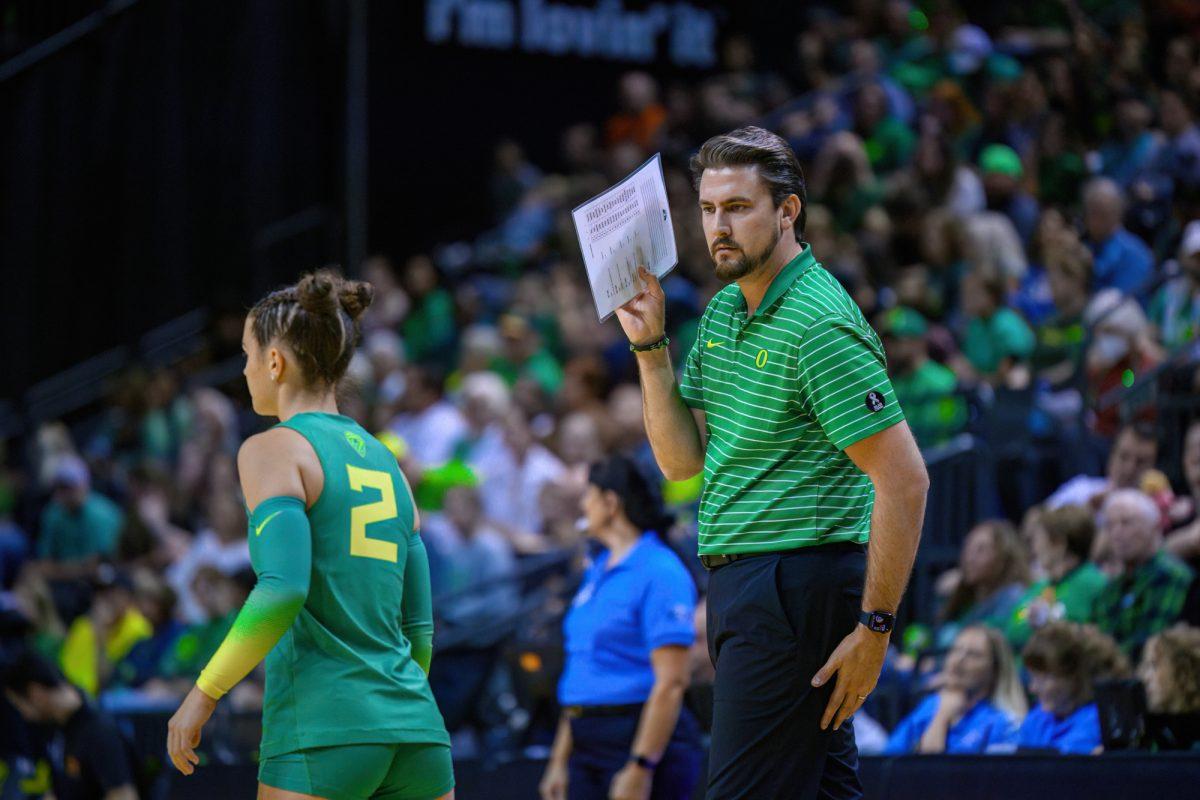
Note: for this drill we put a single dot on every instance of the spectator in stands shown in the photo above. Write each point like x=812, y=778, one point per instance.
x=98, y=640
x=220, y=543
x=1134, y=452
x=1178, y=157
x=641, y=117
x=888, y=141
x=1120, y=352
x=1147, y=594
x=525, y=357
x=926, y=390
x=1133, y=145
x=991, y=577
x=1062, y=544
x=428, y=423
x=156, y=601
x=1002, y=172
x=92, y=760
x=1058, y=354
x=624, y=730
x=1122, y=260
x=979, y=705
x=428, y=329
x=1170, y=671
x=79, y=526
x=997, y=343
x=1184, y=541
x=1175, y=309
x=512, y=483
x=1064, y=660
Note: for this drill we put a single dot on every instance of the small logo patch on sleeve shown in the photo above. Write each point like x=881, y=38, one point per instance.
x=875, y=401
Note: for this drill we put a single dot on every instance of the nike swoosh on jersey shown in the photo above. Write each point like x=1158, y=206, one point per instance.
x=263, y=524
x=711, y=344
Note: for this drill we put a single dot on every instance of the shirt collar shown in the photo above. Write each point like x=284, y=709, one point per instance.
x=601, y=563
x=786, y=277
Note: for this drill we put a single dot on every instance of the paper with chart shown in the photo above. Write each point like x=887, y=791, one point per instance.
x=624, y=226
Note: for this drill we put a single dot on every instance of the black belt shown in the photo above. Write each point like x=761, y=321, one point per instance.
x=712, y=562
x=627, y=710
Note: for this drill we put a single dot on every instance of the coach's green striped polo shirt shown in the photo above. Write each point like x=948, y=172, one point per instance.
x=785, y=392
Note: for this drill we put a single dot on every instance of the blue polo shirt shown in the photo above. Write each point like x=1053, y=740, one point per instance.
x=1078, y=732
x=618, y=617
x=980, y=728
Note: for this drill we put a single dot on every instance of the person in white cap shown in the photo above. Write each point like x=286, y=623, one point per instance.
x=1175, y=309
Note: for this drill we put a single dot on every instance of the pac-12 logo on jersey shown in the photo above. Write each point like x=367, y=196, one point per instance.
x=357, y=443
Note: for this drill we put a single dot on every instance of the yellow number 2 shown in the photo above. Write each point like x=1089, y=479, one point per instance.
x=362, y=516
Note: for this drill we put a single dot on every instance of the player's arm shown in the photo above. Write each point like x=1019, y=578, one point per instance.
x=416, y=605
x=269, y=465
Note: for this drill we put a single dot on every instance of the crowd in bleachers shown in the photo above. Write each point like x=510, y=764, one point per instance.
x=1016, y=210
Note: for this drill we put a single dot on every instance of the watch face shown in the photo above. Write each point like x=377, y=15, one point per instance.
x=879, y=622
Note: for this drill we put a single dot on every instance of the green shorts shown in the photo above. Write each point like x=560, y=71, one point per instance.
x=407, y=771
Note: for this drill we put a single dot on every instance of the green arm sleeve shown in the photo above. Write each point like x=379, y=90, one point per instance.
x=281, y=554
x=417, y=604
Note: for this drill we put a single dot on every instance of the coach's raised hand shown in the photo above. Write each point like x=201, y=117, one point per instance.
x=644, y=318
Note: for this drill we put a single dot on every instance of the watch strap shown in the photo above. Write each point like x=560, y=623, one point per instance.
x=643, y=762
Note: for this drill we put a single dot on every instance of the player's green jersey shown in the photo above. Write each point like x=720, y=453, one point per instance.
x=344, y=672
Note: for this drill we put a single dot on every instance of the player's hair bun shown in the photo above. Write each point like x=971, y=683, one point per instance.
x=356, y=297
x=316, y=293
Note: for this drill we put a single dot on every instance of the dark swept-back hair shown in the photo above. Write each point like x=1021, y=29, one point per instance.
x=751, y=146
x=318, y=319
x=639, y=498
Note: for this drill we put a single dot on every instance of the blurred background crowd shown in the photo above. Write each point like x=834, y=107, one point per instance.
x=1016, y=210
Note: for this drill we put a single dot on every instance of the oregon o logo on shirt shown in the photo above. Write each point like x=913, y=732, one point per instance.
x=761, y=360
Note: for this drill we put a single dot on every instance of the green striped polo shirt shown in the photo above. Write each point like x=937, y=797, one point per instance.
x=784, y=393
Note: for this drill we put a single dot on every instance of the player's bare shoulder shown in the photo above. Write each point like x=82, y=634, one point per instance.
x=279, y=461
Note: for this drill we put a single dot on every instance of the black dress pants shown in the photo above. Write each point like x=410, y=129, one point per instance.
x=773, y=621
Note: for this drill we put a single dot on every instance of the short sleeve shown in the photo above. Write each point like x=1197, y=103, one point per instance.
x=107, y=757
x=844, y=381
x=668, y=609
x=1014, y=337
x=690, y=385
x=908, y=733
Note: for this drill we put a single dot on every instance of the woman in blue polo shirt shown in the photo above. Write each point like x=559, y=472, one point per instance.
x=624, y=732
x=979, y=706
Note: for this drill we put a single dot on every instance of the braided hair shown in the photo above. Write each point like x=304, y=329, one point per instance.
x=318, y=319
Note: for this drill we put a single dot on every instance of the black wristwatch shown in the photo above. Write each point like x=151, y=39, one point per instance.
x=877, y=621
x=643, y=762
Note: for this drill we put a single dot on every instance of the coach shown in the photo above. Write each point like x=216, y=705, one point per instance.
x=785, y=404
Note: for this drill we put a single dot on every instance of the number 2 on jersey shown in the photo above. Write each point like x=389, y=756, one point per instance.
x=362, y=516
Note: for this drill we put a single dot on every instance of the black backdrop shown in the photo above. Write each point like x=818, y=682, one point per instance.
x=187, y=154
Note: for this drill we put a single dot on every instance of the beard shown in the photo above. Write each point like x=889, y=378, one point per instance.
x=741, y=265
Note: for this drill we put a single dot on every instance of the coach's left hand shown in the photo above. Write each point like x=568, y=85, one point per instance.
x=856, y=662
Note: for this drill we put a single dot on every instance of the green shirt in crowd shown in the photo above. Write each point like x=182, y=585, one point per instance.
x=92, y=529
x=928, y=396
x=1073, y=599
x=1058, y=339
x=990, y=341
x=785, y=392
x=1136, y=606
